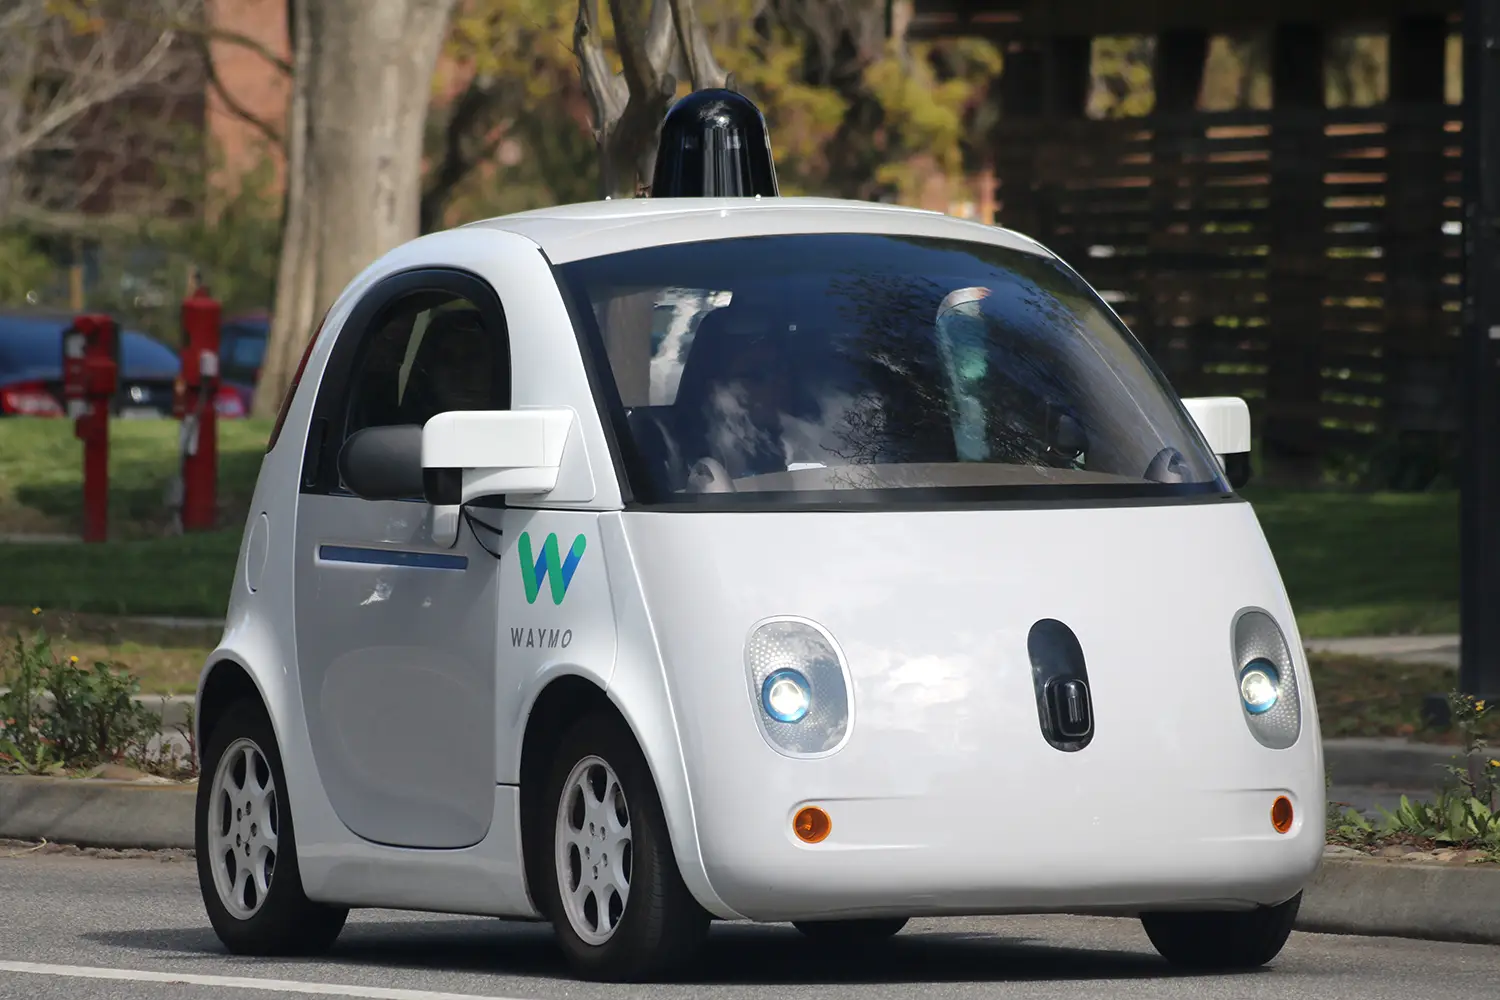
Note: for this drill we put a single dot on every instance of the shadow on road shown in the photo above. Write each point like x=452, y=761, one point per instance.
x=735, y=954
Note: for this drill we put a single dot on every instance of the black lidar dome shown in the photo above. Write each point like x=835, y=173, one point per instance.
x=714, y=144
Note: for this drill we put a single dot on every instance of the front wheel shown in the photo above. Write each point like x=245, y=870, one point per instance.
x=245, y=847
x=1220, y=940
x=850, y=933
x=615, y=896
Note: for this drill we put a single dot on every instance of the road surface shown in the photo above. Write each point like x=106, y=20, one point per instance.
x=82, y=928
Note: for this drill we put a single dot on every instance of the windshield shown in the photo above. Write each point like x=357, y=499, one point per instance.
x=853, y=367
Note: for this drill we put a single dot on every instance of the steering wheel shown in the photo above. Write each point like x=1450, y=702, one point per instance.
x=708, y=475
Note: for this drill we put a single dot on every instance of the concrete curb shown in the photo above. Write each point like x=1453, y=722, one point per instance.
x=1393, y=898
x=95, y=813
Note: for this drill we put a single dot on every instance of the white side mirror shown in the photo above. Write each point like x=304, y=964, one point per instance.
x=469, y=454
x=1224, y=421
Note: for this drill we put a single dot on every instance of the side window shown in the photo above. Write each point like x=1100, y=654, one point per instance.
x=419, y=344
x=429, y=353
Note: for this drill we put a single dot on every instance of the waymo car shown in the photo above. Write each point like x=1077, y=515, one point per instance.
x=637, y=564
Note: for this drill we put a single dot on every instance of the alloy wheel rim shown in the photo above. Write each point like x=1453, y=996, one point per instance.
x=243, y=828
x=593, y=850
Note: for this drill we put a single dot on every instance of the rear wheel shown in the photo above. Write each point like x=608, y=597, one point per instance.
x=1221, y=940
x=246, y=850
x=850, y=933
x=613, y=893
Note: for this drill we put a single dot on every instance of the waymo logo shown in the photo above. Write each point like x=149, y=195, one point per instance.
x=558, y=572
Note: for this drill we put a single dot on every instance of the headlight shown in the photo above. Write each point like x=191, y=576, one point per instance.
x=799, y=687
x=1267, y=680
x=1259, y=684
x=785, y=696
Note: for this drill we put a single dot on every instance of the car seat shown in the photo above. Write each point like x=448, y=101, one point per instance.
x=454, y=368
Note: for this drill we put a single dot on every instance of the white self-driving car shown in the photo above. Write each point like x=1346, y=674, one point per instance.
x=636, y=564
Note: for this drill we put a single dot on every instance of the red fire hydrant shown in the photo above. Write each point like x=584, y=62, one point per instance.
x=197, y=389
x=91, y=368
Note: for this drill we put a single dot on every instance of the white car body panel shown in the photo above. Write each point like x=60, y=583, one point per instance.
x=946, y=798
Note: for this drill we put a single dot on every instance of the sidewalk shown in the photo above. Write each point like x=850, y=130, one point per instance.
x=1439, y=649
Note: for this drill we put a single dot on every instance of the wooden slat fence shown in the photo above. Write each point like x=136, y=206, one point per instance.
x=1309, y=261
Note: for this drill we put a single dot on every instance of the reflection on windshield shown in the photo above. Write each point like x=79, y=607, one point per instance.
x=794, y=365
x=961, y=343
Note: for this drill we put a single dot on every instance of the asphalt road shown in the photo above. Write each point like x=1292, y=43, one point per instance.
x=81, y=928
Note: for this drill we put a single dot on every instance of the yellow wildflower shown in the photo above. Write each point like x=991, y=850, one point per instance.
x=36, y=611
x=72, y=659
x=1479, y=705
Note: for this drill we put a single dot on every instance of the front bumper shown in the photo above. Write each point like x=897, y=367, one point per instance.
x=991, y=850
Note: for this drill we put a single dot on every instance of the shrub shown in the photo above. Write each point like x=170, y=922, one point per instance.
x=61, y=715
x=1463, y=814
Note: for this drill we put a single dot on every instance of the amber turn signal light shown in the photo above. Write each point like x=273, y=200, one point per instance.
x=811, y=825
x=1281, y=814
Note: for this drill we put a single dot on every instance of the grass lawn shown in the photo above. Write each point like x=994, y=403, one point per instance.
x=1358, y=696
x=141, y=569
x=41, y=475
x=1365, y=564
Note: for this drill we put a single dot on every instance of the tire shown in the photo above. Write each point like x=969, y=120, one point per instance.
x=655, y=927
x=1222, y=941
x=850, y=934
x=271, y=916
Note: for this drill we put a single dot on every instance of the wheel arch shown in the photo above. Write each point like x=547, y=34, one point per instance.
x=224, y=682
x=229, y=677
x=561, y=701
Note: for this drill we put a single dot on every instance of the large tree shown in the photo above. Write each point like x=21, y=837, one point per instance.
x=362, y=75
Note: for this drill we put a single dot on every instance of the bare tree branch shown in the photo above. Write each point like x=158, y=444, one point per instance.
x=471, y=136
x=91, y=86
x=88, y=223
x=661, y=41
x=209, y=33
x=607, y=92
x=704, y=70
x=230, y=101
x=644, y=48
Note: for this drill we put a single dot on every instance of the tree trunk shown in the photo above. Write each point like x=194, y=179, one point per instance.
x=362, y=78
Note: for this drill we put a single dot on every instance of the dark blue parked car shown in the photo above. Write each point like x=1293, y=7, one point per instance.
x=242, y=351
x=31, y=371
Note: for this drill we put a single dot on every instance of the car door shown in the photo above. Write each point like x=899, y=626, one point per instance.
x=396, y=625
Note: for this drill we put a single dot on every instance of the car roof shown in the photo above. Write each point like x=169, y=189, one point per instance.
x=588, y=229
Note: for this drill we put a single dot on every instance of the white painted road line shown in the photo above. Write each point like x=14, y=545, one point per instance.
x=235, y=982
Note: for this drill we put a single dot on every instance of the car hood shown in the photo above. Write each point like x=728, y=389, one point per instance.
x=933, y=610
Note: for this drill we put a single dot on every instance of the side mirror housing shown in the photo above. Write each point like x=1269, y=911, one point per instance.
x=469, y=454
x=1225, y=423
x=383, y=463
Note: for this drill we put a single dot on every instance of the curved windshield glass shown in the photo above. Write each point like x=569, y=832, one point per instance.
x=852, y=367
